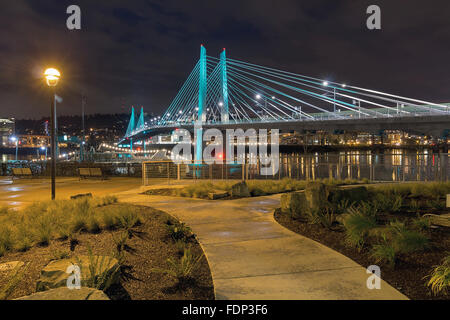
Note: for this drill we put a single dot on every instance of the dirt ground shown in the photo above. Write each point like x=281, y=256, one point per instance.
x=149, y=248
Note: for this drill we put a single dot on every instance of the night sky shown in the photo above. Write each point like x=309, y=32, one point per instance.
x=140, y=52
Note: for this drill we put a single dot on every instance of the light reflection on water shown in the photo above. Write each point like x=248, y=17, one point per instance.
x=391, y=165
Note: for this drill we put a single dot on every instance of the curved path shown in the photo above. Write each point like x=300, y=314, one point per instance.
x=252, y=257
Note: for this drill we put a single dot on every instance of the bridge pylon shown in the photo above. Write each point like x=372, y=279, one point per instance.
x=201, y=118
x=223, y=65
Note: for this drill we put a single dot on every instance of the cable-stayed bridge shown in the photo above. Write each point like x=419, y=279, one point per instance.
x=227, y=93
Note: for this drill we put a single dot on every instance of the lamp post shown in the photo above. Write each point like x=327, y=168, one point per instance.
x=16, y=141
x=52, y=77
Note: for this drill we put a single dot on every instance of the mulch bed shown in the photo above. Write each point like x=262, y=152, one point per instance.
x=410, y=270
x=150, y=247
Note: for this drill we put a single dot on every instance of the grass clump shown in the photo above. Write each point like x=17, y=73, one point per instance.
x=42, y=222
x=357, y=226
x=15, y=277
x=179, y=231
x=182, y=269
x=440, y=278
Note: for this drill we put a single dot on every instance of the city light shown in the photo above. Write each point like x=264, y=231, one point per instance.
x=325, y=83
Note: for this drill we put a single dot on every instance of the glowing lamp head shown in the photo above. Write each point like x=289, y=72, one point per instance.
x=258, y=96
x=52, y=77
x=325, y=83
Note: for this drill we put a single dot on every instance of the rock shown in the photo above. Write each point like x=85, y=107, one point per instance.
x=295, y=203
x=316, y=195
x=83, y=195
x=353, y=195
x=9, y=266
x=65, y=293
x=448, y=201
x=240, y=190
x=217, y=194
x=54, y=274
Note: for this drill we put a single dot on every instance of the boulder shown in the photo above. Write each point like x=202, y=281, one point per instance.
x=217, y=194
x=240, y=190
x=356, y=195
x=10, y=266
x=295, y=203
x=54, y=274
x=316, y=195
x=65, y=293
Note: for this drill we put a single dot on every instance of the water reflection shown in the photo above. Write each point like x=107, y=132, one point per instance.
x=390, y=165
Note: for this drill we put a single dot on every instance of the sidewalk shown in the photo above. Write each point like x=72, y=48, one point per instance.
x=252, y=257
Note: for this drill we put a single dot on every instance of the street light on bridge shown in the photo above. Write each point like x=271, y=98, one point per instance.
x=52, y=77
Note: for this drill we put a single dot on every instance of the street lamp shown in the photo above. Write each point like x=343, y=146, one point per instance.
x=16, y=141
x=52, y=77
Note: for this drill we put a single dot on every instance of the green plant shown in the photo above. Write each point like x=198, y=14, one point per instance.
x=421, y=223
x=414, y=205
x=92, y=224
x=59, y=254
x=179, y=231
x=436, y=204
x=343, y=206
x=128, y=218
x=120, y=241
x=14, y=278
x=325, y=217
x=6, y=240
x=181, y=246
x=183, y=268
x=410, y=241
x=384, y=253
x=98, y=276
x=440, y=278
x=357, y=226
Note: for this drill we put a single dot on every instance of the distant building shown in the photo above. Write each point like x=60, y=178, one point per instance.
x=7, y=128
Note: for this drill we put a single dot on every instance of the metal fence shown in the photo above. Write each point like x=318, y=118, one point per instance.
x=306, y=168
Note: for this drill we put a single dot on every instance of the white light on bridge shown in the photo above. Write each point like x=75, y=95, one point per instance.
x=258, y=96
x=325, y=83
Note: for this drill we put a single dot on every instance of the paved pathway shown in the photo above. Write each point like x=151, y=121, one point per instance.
x=252, y=257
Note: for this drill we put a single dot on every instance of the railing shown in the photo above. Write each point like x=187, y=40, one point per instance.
x=304, y=168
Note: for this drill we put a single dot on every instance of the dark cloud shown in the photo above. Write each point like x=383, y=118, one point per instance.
x=140, y=52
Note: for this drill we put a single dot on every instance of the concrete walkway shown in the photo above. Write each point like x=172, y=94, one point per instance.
x=252, y=257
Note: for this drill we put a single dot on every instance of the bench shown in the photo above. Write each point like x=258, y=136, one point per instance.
x=90, y=173
x=22, y=172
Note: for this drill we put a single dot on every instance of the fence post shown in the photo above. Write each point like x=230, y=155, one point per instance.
x=168, y=172
x=178, y=172
x=143, y=173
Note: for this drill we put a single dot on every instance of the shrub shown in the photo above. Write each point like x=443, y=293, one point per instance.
x=127, y=218
x=325, y=217
x=179, y=231
x=440, y=278
x=384, y=253
x=409, y=241
x=421, y=223
x=357, y=226
x=6, y=240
